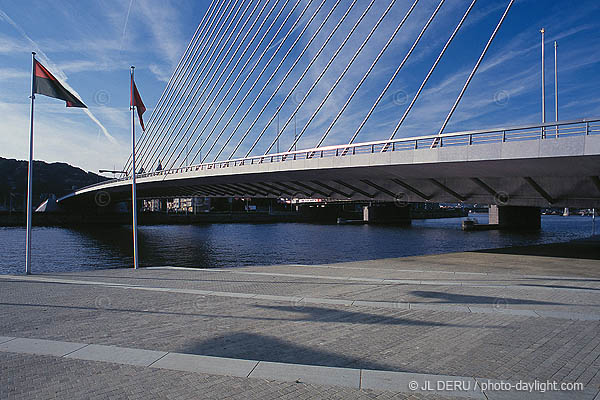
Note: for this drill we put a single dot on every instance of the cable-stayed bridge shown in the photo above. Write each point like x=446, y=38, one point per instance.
x=268, y=101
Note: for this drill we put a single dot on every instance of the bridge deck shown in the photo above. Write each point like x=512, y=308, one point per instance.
x=541, y=165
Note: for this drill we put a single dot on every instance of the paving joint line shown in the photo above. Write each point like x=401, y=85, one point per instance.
x=158, y=359
x=253, y=368
x=360, y=379
x=76, y=350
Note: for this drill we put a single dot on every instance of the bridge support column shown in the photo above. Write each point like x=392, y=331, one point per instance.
x=515, y=217
x=386, y=213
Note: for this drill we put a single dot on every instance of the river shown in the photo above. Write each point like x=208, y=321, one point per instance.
x=228, y=245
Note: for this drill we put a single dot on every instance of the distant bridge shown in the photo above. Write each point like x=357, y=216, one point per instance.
x=250, y=63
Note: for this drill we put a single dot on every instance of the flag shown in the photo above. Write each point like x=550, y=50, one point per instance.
x=136, y=101
x=45, y=83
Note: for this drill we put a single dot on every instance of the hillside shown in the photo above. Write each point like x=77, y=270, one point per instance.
x=55, y=178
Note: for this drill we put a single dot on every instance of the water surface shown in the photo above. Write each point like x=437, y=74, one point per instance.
x=229, y=245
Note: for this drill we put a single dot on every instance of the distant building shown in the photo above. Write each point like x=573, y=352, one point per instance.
x=192, y=205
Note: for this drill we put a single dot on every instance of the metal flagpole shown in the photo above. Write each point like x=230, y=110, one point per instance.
x=30, y=173
x=133, y=190
x=543, y=80
x=555, y=87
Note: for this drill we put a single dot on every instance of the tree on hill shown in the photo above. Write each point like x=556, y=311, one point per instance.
x=48, y=178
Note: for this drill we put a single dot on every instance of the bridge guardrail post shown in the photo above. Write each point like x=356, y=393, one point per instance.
x=587, y=128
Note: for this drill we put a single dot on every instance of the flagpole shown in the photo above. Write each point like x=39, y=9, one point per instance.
x=543, y=79
x=133, y=190
x=30, y=173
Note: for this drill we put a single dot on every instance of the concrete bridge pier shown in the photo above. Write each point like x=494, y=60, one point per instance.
x=515, y=217
x=386, y=213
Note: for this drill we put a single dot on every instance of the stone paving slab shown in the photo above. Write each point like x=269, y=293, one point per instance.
x=40, y=346
x=5, y=339
x=24, y=376
x=391, y=381
x=206, y=364
x=488, y=310
x=382, y=304
x=119, y=355
x=314, y=300
x=439, y=307
x=567, y=315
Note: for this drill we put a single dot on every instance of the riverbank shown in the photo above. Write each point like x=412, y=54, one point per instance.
x=346, y=330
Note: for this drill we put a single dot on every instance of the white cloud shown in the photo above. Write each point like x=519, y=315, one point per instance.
x=88, y=65
x=13, y=73
x=162, y=19
x=160, y=72
x=54, y=140
x=10, y=45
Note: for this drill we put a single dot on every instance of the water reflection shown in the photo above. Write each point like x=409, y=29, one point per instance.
x=228, y=245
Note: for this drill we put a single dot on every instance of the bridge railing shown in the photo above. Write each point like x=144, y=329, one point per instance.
x=549, y=130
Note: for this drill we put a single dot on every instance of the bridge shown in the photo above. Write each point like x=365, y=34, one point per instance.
x=234, y=71
x=512, y=166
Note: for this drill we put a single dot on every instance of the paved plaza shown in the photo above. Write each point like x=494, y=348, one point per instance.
x=460, y=325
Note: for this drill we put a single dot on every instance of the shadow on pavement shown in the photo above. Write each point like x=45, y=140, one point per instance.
x=472, y=299
x=323, y=314
x=253, y=346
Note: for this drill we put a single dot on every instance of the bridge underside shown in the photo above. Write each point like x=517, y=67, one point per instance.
x=526, y=173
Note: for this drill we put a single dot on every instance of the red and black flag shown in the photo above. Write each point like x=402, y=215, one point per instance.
x=136, y=101
x=45, y=83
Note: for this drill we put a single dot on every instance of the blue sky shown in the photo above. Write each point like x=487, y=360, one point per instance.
x=90, y=45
